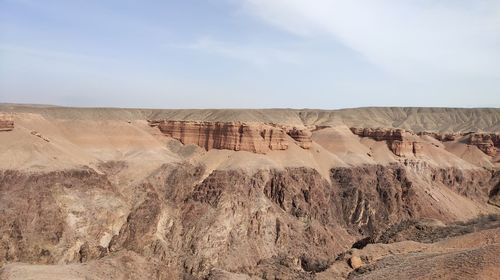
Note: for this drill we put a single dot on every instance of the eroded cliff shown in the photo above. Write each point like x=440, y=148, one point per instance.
x=405, y=142
x=119, y=199
x=401, y=142
x=236, y=136
x=267, y=224
x=489, y=143
x=302, y=136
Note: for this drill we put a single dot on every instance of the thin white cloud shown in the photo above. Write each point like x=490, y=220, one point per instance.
x=449, y=37
x=255, y=55
x=10, y=50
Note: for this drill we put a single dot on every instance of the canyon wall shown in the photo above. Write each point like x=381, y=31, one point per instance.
x=489, y=143
x=374, y=196
x=381, y=134
x=401, y=142
x=443, y=137
x=287, y=223
x=405, y=142
x=236, y=136
x=301, y=136
x=120, y=197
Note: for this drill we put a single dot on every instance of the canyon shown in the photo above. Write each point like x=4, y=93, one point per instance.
x=369, y=193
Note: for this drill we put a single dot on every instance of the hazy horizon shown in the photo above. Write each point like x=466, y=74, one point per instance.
x=250, y=54
x=230, y=108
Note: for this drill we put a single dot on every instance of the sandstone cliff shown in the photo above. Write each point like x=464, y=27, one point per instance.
x=401, y=142
x=443, y=137
x=489, y=143
x=257, y=138
x=404, y=142
x=301, y=136
x=381, y=134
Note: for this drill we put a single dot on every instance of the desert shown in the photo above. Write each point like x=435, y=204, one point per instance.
x=368, y=193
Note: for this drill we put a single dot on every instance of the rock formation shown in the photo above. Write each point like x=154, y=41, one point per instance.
x=405, y=148
x=301, y=136
x=37, y=134
x=489, y=143
x=112, y=197
x=401, y=142
x=6, y=122
x=443, y=137
x=236, y=136
x=495, y=189
x=381, y=134
x=355, y=262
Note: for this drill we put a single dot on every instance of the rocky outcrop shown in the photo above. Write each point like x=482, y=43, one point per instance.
x=494, y=196
x=443, y=137
x=289, y=223
x=355, y=262
x=237, y=136
x=381, y=134
x=267, y=223
x=36, y=227
x=135, y=233
x=375, y=196
x=6, y=122
x=301, y=136
x=401, y=142
x=405, y=148
x=489, y=143
x=37, y=134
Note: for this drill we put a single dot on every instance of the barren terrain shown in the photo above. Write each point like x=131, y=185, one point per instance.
x=368, y=193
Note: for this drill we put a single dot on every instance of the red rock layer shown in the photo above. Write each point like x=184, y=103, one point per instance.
x=237, y=136
x=405, y=148
x=443, y=137
x=399, y=141
x=486, y=142
x=380, y=134
x=302, y=136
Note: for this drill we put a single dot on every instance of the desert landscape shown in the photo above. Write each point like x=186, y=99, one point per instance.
x=367, y=193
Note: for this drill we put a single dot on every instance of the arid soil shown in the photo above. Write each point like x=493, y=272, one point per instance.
x=370, y=193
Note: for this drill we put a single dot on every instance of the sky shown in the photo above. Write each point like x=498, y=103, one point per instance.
x=323, y=54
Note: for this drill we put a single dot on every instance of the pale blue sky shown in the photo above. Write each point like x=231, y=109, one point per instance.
x=250, y=53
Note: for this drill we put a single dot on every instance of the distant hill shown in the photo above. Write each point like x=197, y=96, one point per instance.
x=414, y=118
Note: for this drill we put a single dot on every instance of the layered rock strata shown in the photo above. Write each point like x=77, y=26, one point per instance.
x=401, y=142
x=381, y=134
x=374, y=196
x=443, y=137
x=301, y=136
x=489, y=143
x=268, y=224
x=236, y=136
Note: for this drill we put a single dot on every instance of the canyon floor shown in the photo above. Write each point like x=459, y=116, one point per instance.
x=368, y=193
